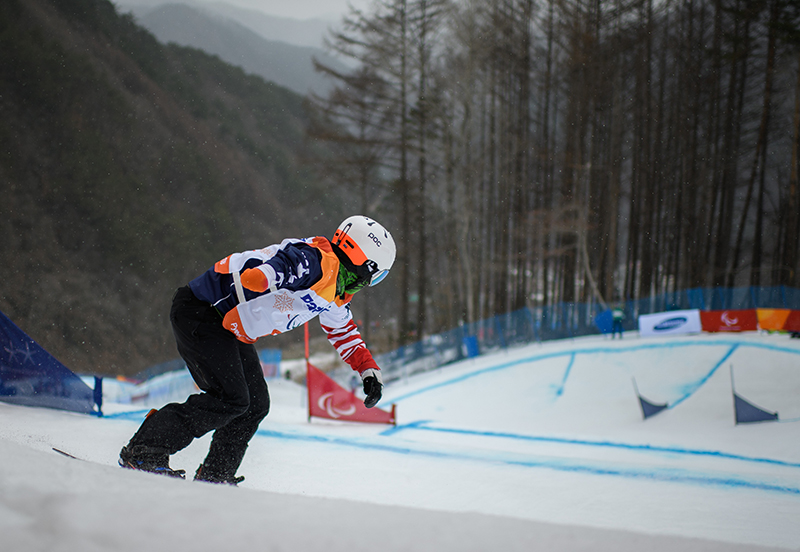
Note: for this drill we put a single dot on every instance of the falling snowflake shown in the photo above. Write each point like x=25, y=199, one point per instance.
x=283, y=303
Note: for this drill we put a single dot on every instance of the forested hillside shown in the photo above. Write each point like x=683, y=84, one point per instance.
x=547, y=153
x=127, y=168
x=523, y=153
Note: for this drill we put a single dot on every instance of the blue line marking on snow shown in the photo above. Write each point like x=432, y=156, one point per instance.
x=421, y=426
x=664, y=475
x=130, y=415
x=593, y=351
x=692, y=387
x=560, y=390
x=413, y=425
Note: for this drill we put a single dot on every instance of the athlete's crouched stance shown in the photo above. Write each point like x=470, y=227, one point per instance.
x=219, y=315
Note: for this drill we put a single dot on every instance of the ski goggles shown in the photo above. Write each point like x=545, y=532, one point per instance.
x=367, y=274
x=378, y=277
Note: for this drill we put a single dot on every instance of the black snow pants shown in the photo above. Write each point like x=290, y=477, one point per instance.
x=235, y=397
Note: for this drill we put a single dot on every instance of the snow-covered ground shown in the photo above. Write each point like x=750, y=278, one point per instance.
x=541, y=447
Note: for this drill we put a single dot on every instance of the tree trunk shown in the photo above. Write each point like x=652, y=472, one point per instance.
x=790, y=268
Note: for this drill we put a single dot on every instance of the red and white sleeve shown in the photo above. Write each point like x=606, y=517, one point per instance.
x=351, y=348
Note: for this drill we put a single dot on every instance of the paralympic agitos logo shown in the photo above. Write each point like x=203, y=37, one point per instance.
x=727, y=320
x=325, y=402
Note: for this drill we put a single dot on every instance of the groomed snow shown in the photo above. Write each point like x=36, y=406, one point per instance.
x=540, y=447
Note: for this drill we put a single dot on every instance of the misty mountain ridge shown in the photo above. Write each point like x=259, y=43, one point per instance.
x=307, y=31
x=300, y=32
x=213, y=30
x=127, y=168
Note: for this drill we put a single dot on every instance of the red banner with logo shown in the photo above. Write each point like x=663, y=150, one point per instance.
x=792, y=323
x=328, y=399
x=729, y=320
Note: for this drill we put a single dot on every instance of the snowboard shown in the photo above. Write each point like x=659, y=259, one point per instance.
x=68, y=455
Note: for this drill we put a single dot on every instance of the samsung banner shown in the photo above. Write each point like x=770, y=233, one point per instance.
x=670, y=323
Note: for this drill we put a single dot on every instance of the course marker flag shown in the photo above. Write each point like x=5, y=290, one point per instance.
x=746, y=412
x=328, y=399
x=31, y=376
x=648, y=408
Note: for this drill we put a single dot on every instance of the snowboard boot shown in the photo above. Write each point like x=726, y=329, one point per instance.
x=149, y=459
x=204, y=474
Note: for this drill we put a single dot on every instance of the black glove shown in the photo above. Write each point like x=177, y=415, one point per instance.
x=373, y=385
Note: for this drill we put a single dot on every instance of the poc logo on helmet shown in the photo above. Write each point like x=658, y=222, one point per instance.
x=374, y=238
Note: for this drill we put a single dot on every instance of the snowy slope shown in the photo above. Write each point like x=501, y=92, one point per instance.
x=540, y=447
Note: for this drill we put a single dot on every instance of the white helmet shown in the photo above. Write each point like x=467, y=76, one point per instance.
x=366, y=244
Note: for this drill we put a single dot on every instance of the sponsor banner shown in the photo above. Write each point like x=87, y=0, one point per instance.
x=670, y=323
x=328, y=399
x=792, y=323
x=772, y=319
x=729, y=320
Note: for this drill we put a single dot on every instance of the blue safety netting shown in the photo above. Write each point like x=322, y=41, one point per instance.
x=567, y=320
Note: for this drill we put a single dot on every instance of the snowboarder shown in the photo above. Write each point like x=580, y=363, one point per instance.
x=617, y=316
x=218, y=316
